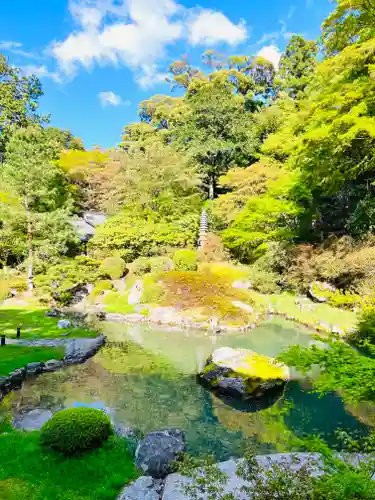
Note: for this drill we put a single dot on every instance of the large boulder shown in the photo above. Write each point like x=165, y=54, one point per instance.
x=320, y=291
x=243, y=374
x=157, y=452
x=143, y=488
x=79, y=350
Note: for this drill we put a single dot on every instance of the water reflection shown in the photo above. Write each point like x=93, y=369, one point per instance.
x=154, y=387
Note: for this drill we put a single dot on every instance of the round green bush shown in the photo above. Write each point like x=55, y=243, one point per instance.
x=185, y=260
x=75, y=430
x=114, y=267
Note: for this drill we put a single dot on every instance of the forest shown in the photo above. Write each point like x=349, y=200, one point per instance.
x=281, y=161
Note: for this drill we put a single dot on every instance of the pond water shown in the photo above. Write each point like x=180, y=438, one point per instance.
x=145, y=378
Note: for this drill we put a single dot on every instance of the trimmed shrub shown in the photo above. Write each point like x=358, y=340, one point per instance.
x=185, y=260
x=114, y=267
x=75, y=430
x=140, y=266
x=145, y=265
x=102, y=286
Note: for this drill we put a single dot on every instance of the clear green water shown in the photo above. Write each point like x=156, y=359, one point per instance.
x=145, y=378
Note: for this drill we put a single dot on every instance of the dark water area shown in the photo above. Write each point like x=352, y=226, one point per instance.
x=145, y=378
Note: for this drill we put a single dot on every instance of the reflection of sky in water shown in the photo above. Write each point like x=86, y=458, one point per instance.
x=155, y=388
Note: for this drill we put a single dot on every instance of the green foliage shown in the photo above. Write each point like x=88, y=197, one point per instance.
x=342, y=368
x=31, y=472
x=13, y=356
x=185, y=260
x=116, y=302
x=263, y=281
x=19, y=97
x=133, y=236
x=75, y=430
x=366, y=325
x=153, y=291
x=297, y=65
x=58, y=280
x=144, y=265
x=286, y=479
x=101, y=287
x=114, y=267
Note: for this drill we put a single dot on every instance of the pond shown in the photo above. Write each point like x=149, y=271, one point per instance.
x=145, y=378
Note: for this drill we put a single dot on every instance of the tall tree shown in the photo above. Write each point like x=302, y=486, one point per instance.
x=19, y=97
x=40, y=192
x=297, y=64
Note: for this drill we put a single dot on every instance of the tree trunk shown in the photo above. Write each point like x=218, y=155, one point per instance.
x=30, y=277
x=211, y=188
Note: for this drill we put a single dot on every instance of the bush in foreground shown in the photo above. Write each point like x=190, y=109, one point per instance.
x=76, y=429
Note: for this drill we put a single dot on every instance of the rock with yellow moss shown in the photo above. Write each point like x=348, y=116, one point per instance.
x=241, y=373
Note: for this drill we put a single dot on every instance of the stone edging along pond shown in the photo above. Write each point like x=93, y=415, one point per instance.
x=77, y=350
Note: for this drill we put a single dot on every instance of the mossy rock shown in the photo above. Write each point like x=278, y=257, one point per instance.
x=243, y=374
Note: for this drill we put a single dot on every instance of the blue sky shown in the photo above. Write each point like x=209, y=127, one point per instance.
x=97, y=59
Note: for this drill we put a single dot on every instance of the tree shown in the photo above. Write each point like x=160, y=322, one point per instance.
x=19, y=97
x=330, y=137
x=41, y=194
x=297, y=65
x=353, y=21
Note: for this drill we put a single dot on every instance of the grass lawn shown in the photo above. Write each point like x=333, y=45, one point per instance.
x=30, y=472
x=13, y=356
x=341, y=318
x=34, y=324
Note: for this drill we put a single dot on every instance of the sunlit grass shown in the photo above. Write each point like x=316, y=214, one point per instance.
x=13, y=356
x=30, y=472
x=35, y=324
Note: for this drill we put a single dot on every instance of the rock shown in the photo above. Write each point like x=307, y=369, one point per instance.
x=143, y=488
x=5, y=385
x=337, y=330
x=174, y=484
x=17, y=377
x=243, y=306
x=34, y=369
x=79, y=350
x=242, y=284
x=156, y=453
x=53, y=313
x=234, y=387
x=135, y=293
x=33, y=420
x=52, y=365
x=79, y=293
x=243, y=374
x=100, y=316
x=64, y=323
x=314, y=288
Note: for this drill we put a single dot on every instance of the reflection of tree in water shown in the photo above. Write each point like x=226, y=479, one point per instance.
x=324, y=415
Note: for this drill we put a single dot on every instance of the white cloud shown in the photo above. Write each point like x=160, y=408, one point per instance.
x=9, y=45
x=41, y=72
x=136, y=34
x=209, y=28
x=16, y=48
x=150, y=76
x=109, y=98
x=271, y=53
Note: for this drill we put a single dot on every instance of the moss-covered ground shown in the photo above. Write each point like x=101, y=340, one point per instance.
x=30, y=472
